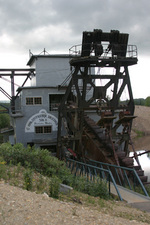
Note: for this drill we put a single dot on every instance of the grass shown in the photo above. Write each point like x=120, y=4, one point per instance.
x=139, y=133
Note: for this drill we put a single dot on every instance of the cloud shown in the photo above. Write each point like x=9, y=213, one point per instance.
x=58, y=24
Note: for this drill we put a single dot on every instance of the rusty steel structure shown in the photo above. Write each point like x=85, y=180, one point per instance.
x=96, y=120
x=11, y=74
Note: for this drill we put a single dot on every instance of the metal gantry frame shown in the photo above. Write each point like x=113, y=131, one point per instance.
x=99, y=50
x=12, y=73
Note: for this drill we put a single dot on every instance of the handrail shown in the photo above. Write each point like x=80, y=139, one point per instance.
x=80, y=166
x=128, y=51
x=124, y=169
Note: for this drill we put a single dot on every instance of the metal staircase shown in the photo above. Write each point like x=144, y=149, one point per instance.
x=92, y=169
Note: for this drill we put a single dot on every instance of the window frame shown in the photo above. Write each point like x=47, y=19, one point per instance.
x=43, y=129
x=28, y=101
x=32, y=100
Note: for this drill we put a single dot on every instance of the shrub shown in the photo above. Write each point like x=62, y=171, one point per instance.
x=39, y=160
x=54, y=187
x=2, y=168
x=4, y=121
x=97, y=188
x=42, y=161
x=28, y=179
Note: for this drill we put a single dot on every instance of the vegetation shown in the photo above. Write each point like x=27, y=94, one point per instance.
x=40, y=161
x=4, y=105
x=142, y=101
x=4, y=121
x=139, y=101
x=27, y=178
x=4, y=118
x=147, y=101
x=139, y=133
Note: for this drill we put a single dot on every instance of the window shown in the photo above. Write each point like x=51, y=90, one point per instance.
x=47, y=129
x=38, y=101
x=38, y=130
x=33, y=101
x=29, y=101
x=54, y=101
x=43, y=129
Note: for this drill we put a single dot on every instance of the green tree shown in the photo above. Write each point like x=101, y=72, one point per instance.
x=147, y=101
x=4, y=120
x=139, y=101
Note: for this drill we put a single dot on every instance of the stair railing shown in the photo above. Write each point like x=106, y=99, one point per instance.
x=131, y=183
x=91, y=173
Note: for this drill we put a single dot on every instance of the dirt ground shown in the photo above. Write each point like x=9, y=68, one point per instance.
x=21, y=207
x=141, y=123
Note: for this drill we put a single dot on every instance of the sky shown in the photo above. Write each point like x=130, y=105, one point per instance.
x=56, y=25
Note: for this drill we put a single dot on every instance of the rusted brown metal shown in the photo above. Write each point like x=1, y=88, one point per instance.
x=84, y=80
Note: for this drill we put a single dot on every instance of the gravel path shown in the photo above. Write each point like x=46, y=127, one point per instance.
x=21, y=207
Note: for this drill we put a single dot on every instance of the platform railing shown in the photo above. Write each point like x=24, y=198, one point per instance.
x=117, y=50
x=91, y=173
x=126, y=177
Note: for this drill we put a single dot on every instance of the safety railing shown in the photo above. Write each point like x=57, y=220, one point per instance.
x=126, y=177
x=91, y=173
x=107, y=51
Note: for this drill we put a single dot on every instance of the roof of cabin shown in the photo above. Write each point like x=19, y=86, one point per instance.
x=34, y=57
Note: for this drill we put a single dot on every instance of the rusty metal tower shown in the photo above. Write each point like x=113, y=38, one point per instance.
x=99, y=79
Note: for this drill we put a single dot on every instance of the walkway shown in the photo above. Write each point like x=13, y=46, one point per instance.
x=133, y=198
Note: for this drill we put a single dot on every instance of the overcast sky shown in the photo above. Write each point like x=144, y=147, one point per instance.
x=58, y=24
